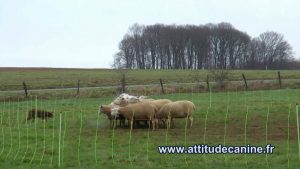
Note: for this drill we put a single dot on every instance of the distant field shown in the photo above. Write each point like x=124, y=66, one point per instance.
x=47, y=78
x=97, y=146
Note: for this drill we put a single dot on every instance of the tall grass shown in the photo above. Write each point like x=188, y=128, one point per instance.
x=77, y=137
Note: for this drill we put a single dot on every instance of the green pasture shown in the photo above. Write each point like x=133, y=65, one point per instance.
x=87, y=141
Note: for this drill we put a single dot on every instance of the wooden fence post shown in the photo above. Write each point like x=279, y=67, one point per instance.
x=207, y=83
x=279, y=79
x=162, y=86
x=78, y=86
x=245, y=81
x=25, y=89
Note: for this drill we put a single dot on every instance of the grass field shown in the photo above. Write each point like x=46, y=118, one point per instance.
x=95, y=145
x=47, y=78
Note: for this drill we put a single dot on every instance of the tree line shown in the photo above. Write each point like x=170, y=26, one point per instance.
x=210, y=46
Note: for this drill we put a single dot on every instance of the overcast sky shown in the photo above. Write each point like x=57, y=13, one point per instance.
x=86, y=33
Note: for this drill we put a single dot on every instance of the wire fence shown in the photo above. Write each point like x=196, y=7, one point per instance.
x=78, y=135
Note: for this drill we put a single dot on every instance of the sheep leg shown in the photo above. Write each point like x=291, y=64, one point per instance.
x=156, y=123
x=123, y=122
x=163, y=122
x=191, y=119
x=149, y=126
x=153, y=124
x=173, y=123
x=115, y=123
x=169, y=120
x=146, y=123
x=168, y=123
x=131, y=124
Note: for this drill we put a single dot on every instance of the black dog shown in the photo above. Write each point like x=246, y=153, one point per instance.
x=43, y=114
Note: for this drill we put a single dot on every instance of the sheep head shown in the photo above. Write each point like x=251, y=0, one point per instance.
x=105, y=109
x=128, y=98
x=123, y=102
x=118, y=100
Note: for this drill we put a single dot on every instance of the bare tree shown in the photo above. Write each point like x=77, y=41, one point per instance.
x=274, y=49
x=217, y=46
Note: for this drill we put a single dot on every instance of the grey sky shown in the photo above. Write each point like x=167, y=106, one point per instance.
x=86, y=33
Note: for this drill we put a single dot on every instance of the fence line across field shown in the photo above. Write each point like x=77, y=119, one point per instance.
x=160, y=84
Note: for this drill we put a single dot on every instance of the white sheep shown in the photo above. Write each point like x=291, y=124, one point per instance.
x=157, y=103
x=138, y=111
x=178, y=109
x=122, y=100
x=128, y=98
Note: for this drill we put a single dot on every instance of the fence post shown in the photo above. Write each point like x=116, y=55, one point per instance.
x=245, y=81
x=78, y=86
x=162, y=86
x=207, y=82
x=279, y=79
x=25, y=89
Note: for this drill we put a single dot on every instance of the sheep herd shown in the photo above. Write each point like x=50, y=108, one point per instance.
x=160, y=112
